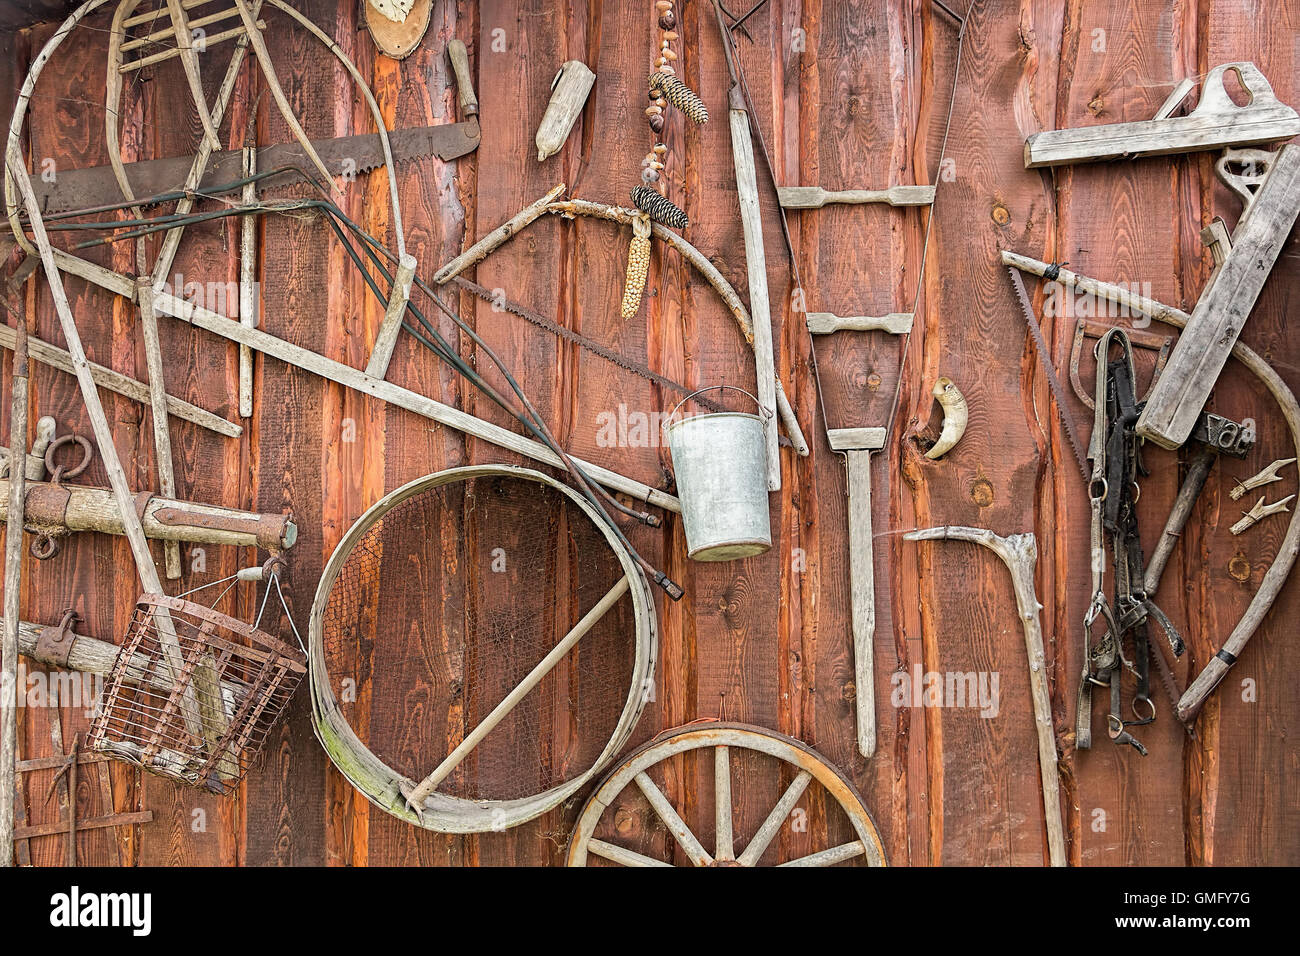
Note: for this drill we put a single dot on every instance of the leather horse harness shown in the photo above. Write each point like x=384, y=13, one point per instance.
x=1114, y=452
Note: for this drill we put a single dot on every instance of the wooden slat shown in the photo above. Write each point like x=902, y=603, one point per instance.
x=1114, y=794
x=1235, y=820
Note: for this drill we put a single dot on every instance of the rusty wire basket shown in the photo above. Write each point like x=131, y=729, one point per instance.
x=193, y=693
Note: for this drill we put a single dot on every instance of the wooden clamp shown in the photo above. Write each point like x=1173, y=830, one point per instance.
x=856, y=445
x=1019, y=552
x=1203, y=348
x=1216, y=123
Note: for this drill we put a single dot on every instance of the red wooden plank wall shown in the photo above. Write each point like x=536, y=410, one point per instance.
x=848, y=95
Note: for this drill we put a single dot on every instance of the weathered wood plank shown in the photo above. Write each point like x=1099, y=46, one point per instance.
x=1130, y=812
x=1247, y=809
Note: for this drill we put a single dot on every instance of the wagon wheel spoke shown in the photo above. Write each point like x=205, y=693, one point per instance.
x=772, y=825
x=725, y=842
x=836, y=854
x=621, y=855
x=675, y=824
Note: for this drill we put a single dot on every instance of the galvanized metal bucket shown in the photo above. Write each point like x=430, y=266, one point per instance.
x=720, y=461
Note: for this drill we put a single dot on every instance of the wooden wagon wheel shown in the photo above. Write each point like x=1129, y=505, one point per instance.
x=723, y=738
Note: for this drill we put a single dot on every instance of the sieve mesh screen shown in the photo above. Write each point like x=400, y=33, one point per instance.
x=447, y=601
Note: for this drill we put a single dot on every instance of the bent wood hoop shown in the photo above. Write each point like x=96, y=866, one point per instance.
x=382, y=785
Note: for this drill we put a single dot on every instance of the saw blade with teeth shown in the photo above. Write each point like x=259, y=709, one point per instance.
x=1053, y=380
x=1170, y=684
x=345, y=156
x=500, y=301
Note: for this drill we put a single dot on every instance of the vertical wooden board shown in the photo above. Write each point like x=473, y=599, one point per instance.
x=843, y=101
x=762, y=63
x=1133, y=213
x=1062, y=521
x=794, y=124
x=978, y=687
x=517, y=51
x=200, y=369
x=433, y=217
x=736, y=603
x=295, y=807
x=77, y=577
x=1249, y=812
x=610, y=415
x=987, y=479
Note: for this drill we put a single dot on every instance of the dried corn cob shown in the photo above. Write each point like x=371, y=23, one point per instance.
x=658, y=208
x=638, y=266
x=680, y=95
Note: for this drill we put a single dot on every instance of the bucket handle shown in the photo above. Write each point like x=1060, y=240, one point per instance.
x=763, y=412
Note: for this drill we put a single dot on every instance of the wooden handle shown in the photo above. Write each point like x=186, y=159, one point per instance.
x=416, y=796
x=862, y=596
x=464, y=84
x=742, y=154
x=824, y=323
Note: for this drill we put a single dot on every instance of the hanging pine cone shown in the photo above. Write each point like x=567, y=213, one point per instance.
x=658, y=208
x=638, y=266
x=680, y=95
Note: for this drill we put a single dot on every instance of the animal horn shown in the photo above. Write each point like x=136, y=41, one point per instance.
x=955, y=415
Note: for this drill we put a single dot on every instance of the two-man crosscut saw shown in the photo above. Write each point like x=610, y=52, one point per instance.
x=577, y=338
x=343, y=156
x=1053, y=380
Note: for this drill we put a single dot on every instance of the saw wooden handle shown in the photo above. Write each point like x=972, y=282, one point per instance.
x=464, y=84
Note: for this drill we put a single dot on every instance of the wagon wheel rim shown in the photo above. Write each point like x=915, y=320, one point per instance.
x=722, y=739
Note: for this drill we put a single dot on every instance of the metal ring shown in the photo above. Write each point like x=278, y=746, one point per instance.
x=1137, y=491
x=57, y=471
x=1149, y=702
x=1115, y=726
x=44, y=546
x=1105, y=489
